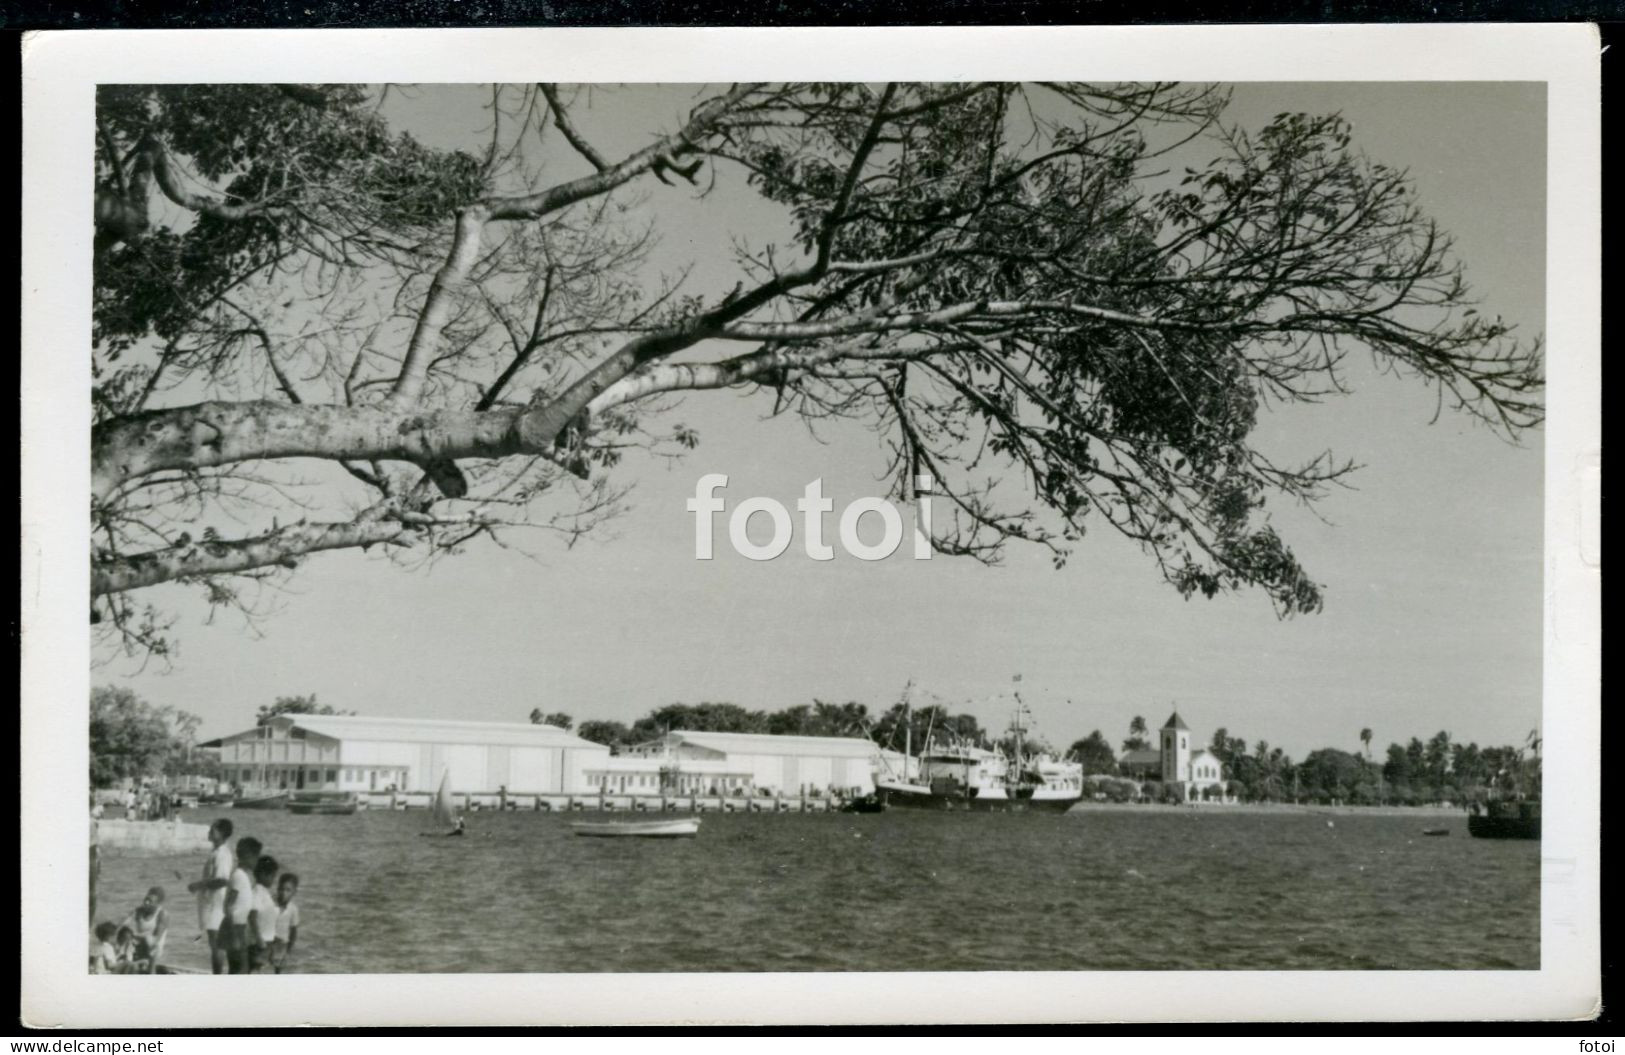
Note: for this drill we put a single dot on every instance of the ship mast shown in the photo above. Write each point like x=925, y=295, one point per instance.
x=908, y=728
x=1015, y=727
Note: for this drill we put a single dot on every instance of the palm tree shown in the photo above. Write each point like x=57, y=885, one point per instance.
x=1365, y=738
x=1137, y=731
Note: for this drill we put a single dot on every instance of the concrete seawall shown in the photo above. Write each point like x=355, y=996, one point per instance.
x=151, y=837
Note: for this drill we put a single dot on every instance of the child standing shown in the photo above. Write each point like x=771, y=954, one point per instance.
x=239, y=903
x=262, y=919
x=150, y=925
x=287, y=921
x=211, y=893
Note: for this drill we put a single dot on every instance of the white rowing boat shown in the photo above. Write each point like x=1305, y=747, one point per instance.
x=673, y=829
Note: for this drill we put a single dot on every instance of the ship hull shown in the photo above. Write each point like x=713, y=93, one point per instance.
x=326, y=803
x=910, y=798
x=261, y=802
x=1485, y=826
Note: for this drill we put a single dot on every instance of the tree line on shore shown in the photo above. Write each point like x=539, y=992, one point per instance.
x=134, y=739
x=894, y=727
x=131, y=738
x=1440, y=769
x=1416, y=773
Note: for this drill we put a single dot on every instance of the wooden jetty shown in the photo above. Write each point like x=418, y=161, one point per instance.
x=554, y=802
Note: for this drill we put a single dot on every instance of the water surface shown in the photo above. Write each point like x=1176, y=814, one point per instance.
x=898, y=891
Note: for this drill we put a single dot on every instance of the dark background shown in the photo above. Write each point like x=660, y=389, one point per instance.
x=311, y=14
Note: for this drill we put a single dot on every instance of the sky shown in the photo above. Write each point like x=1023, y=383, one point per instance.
x=1431, y=562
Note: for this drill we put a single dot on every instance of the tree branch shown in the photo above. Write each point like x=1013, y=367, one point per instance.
x=169, y=181
x=281, y=547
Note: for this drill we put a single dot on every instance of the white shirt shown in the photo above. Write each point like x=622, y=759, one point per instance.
x=211, y=904
x=242, y=884
x=267, y=911
x=287, y=919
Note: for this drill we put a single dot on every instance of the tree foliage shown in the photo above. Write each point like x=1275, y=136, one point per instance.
x=294, y=705
x=556, y=718
x=1138, y=735
x=610, y=734
x=313, y=332
x=131, y=738
x=1094, y=752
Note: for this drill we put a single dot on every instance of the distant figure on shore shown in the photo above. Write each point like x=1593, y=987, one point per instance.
x=211, y=892
x=149, y=924
x=287, y=921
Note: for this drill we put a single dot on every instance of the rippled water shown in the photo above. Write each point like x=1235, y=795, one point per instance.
x=1087, y=890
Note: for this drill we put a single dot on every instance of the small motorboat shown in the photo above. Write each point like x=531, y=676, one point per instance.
x=324, y=802
x=265, y=801
x=674, y=829
x=864, y=804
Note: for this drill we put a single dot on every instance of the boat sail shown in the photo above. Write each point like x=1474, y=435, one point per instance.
x=442, y=808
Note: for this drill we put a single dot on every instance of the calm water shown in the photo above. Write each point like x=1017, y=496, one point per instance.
x=1089, y=890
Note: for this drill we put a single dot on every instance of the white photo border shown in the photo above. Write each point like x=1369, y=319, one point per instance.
x=60, y=74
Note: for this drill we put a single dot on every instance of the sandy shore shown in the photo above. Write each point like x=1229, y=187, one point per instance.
x=1274, y=807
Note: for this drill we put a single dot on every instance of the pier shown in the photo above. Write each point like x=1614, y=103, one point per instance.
x=554, y=802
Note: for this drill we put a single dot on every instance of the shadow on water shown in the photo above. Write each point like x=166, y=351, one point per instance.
x=1096, y=890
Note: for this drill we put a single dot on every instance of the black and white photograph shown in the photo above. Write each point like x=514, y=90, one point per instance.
x=1029, y=533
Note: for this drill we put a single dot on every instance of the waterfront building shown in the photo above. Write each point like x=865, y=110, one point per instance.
x=351, y=753
x=1195, y=775
x=745, y=763
x=1144, y=764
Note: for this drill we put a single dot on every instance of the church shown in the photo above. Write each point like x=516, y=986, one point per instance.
x=1195, y=775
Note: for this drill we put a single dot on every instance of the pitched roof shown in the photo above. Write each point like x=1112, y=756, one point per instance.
x=1175, y=722
x=768, y=744
x=440, y=731
x=1148, y=757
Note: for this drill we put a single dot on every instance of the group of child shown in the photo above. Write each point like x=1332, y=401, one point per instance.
x=132, y=947
x=246, y=908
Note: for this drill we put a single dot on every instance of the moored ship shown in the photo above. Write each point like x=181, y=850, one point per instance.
x=1505, y=820
x=1513, y=807
x=963, y=777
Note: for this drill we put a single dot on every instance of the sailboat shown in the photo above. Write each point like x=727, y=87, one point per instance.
x=444, y=810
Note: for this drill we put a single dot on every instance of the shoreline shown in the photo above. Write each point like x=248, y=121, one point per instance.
x=1269, y=808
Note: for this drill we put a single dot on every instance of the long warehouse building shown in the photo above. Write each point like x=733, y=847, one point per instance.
x=346, y=753
x=350, y=753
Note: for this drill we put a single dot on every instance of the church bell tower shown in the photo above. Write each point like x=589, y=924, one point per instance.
x=1176, y=750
